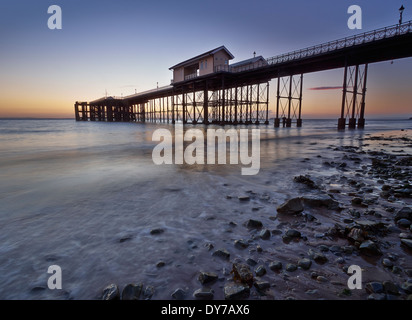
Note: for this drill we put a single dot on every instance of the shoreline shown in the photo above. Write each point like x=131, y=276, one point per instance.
x=354, y=217
x=166, y=227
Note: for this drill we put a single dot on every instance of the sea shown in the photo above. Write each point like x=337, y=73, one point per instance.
x=85, y=196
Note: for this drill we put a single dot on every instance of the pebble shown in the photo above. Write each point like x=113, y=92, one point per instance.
x=179, y=294
x=207, y=277
x=305, y=263
x=254, y=224
x=132, y=291
x=243, y=198
x=407, y=243
x=204, y=293
x=262, y=285
x=251, y=262
x=374, y=287
x=317, y=256
x=221, y=253
x=387, y=263
x=111, y=292
x=292, y=233
x=260, y=271
x=236, y=291
x=291, y=267
x=369, y=247
x=404, y=223
x=275, y=265
x=241, y=244
x=156, y=231
x=265, y=234
x=321, y=279
x=390, y=288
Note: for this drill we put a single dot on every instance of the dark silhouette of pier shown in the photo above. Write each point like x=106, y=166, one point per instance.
x=239, y=93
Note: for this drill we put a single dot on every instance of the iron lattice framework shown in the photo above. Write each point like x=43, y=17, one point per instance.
x=289, y=101
x=353, y=97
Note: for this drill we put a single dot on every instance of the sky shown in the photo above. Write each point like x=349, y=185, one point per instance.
x=124, y=46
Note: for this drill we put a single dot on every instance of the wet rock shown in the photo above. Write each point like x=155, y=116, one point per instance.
x=254, y=224
x=241, y=272
x=132, y=291
x=404, y=213
x=259, y=249
x=156, y=231
x=404, y=223
x=390, y=288
x=305, y=263
x=148, y=292
x=369, y=247
x=291, y=267
x=340, y=260
x=337, y=250
x=321, y=279
x=251, y=262
x=111, y=292
x=291, y=206
x=262, y=285
x=305, y=180
x=234, y=291
x=241, y=244
x=265, y=234
x=221, y=253
x=407, y=243
x=160, y=264
x=317, y=256
x=323, y=248
x=179, y=294
x=207, y=277
x=292, y=233
x=243, y=198
x=407, y=287
x=260, y=271
x=275, y=266
x=125, y=238
x=387, y=263
x=320, y=200
x=356, y=234
x=204, y=294
x=374, y=287
x=377, y=296
x=356, y=201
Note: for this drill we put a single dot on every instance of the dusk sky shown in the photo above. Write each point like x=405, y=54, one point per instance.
x=123, y=46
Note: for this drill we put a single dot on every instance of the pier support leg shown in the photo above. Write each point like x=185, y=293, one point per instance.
x=277, y=119
x=361, y=120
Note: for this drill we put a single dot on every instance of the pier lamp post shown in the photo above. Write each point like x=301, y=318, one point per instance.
x=401, y=12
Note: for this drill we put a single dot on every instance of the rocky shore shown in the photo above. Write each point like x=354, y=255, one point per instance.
x=354, y=209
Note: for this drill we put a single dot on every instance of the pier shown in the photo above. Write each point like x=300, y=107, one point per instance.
x=207, y=89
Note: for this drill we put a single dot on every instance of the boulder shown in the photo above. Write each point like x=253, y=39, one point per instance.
x=291, y=206
x=320, y=200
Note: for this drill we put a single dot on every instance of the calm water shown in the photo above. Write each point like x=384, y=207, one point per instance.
x=72, y=192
